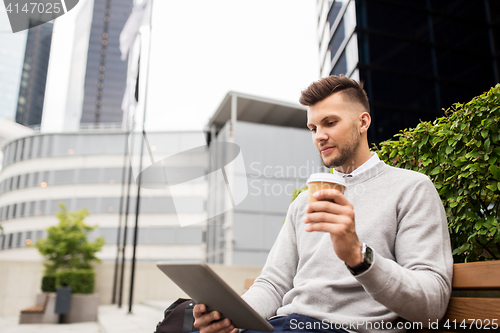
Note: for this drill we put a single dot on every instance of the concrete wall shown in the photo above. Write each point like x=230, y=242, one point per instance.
x=20, y=282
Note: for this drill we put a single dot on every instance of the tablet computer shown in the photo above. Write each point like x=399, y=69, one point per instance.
x=204, y=286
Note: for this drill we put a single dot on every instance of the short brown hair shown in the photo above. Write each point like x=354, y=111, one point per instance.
x=321, y=89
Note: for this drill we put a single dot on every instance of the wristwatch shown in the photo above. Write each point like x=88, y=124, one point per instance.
x=367, y=254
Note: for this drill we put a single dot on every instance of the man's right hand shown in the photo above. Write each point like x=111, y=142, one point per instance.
x=211, y=322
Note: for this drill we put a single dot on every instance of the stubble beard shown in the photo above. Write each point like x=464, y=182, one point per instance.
x=346, y=152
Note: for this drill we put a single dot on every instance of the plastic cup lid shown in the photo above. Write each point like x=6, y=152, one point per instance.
x=327, y=178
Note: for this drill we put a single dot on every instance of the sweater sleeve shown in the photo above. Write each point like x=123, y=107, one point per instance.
x=423, y=269
x=266, y=294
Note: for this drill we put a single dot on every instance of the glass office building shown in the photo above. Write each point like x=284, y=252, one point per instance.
x=34, y=74
x=106, y=73
x=414, y=57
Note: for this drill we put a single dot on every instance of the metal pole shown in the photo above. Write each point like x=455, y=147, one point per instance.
x=127, y=205
x=137, y=205
x=118, y=235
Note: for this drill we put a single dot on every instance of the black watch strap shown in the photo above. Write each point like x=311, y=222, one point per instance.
x=367, y=254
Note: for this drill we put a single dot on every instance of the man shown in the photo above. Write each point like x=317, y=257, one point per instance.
x=375, y=257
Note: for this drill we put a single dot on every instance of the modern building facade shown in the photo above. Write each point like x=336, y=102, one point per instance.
x=278, y=158
x=414, y=57
x=86, y=170
x=34, y=74
x=106, y=73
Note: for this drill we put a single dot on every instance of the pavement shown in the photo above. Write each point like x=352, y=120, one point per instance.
x=111, y=319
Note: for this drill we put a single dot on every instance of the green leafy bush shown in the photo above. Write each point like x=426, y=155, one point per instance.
x=81, y=281
x=49, y=283
x=460, y=152
x=297, y=191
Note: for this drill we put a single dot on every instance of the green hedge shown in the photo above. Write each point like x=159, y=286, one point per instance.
x=49, y=283
x=81, y=281
x=460, y=152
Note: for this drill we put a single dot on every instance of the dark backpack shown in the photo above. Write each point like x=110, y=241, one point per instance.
x=178, y=318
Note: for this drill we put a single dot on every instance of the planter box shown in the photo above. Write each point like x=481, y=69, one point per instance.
x=83, y=308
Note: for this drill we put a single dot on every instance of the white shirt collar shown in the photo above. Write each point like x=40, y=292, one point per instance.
x=372, y=161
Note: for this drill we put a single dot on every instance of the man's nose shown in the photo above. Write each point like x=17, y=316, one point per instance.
x=321, y=135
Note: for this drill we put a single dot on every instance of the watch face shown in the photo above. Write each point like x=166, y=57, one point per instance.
x=368, y=256
x=365, y=264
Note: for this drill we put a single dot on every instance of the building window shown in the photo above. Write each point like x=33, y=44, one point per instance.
x=30, y=148
x=40, y=141
x=42, y=206
x=21, y=150
x=28, y=239
x=34, y=179
x=14, y=152
x=23, y=209
x=19, y=239
x=32, y=208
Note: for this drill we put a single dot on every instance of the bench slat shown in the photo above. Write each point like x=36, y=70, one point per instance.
x=34, y=309
x=477, y=275
x=461, y=308
x=248, y=283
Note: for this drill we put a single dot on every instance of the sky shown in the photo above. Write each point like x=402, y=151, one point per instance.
x=12, y=48
x=203, y=49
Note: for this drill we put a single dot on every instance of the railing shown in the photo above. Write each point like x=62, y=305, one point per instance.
x=90, y=127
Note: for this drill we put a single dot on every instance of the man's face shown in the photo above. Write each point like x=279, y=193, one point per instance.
x=334, y=123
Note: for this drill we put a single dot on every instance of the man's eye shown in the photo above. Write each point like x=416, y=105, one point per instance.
x=330, y=123
x=313, y=130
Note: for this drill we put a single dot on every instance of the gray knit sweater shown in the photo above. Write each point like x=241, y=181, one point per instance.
x=400, y=216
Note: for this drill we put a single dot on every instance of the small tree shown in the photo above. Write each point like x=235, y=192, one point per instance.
x=66, y=246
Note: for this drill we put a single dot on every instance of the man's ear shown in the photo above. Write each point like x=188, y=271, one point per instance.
x=365, y=120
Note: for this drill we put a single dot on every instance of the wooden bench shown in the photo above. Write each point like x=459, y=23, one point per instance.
x=248, y=283
x=34, y=314
x=475, y=301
